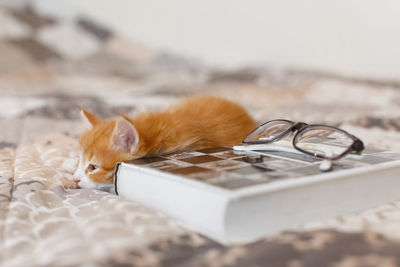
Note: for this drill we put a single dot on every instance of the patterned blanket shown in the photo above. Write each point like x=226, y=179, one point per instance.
x=54, y=61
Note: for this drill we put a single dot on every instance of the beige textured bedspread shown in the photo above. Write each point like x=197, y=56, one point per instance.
x=53, y=62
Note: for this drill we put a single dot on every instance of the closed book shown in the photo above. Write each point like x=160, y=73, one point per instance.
x=237, y=198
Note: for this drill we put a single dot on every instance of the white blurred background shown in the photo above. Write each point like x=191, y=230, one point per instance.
x=356, y=38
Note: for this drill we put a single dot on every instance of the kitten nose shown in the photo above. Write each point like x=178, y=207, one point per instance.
x=76, y=180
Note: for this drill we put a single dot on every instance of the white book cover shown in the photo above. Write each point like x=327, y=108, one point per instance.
x=239, y=197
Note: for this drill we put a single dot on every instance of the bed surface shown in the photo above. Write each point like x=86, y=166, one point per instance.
x=53, y=62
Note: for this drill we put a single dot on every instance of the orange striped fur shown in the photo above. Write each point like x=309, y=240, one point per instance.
x=195, y=123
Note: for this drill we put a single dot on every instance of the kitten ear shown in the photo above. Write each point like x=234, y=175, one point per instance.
x=125, y=136
x=89, y=117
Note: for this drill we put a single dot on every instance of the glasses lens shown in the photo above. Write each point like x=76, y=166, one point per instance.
x=268, y=131
x=324, y=142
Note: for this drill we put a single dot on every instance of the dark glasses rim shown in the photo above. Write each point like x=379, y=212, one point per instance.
x=355, y=148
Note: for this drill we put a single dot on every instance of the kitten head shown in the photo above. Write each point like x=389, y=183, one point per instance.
x=102, y=146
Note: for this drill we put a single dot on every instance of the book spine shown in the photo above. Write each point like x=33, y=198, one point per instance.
x=116, y=173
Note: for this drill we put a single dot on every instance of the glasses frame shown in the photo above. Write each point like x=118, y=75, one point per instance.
x=300, y=127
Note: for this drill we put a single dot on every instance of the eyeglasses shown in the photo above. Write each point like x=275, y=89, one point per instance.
x=320, y=141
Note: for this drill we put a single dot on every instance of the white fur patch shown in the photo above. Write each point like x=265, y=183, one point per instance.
x=85, y=182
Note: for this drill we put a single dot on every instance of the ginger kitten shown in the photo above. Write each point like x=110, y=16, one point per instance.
x=195, y=123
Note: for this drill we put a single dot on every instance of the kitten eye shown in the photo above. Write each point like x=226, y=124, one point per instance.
x=92, y=167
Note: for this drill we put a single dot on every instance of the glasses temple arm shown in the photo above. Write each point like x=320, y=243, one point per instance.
x=267, y=147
